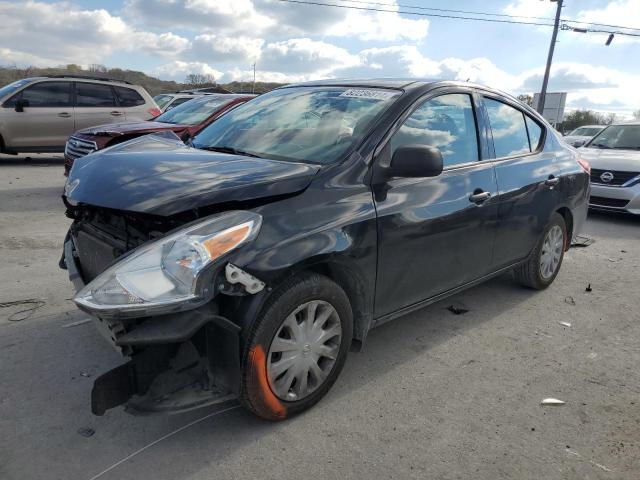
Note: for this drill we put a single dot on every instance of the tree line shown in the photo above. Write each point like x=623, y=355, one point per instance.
x=154, y=86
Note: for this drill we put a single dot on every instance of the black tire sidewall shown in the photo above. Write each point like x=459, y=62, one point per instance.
x=282, y=303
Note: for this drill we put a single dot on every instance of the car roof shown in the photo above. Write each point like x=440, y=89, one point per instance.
x=634, y=123
x=224, y=96
x=395, y=83
x=590, y=126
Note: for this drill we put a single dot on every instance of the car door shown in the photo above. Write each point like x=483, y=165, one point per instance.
x=526, y=175
x=96, y=105
x=46, y=120
x=435, y=234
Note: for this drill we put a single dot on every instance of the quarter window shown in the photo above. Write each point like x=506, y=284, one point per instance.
x=508, y=129
x=47, y=94
x=94, y=95
x=535, y=132
x=128, y=97
x=446, y=122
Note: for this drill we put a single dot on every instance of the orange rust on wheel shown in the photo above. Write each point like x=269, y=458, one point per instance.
x=259, y=360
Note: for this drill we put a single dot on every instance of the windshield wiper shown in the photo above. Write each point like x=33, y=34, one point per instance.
x=599, y=145
x=231, y=150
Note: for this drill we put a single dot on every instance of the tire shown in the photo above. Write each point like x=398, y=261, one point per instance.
x=265, y=395
x=531, y=272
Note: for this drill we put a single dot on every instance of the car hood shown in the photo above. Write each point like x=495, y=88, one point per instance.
x=117, y=129
x=612, y=159
x=163, y=176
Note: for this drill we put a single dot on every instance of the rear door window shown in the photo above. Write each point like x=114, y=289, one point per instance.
x=94, y=95
x=508, y=128
x=47, y=94
x=446, y=122
x=128, y=97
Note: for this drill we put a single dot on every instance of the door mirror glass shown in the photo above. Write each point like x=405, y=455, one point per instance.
x=412, y=161
x=21, y=103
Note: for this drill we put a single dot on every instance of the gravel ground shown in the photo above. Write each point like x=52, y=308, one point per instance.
x=435, y=395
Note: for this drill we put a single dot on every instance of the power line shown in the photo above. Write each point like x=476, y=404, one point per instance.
x=565, y=22
x=419, y=14
x=414, y=7
x=488, y=14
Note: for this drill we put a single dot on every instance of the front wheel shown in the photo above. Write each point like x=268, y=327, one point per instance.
x=297, y=347
x=543, y=265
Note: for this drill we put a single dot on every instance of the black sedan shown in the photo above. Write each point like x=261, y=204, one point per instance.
x=248, y=262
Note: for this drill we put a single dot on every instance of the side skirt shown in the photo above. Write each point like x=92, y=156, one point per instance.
x=424, y=303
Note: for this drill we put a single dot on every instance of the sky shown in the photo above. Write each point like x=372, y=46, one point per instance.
x=291, y=42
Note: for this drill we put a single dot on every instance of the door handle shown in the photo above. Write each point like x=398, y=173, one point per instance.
x=64, y=114
x=552, y=181
x=478, y=197
x=116, y=113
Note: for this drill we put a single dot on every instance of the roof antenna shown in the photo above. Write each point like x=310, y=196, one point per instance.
x=468, y=79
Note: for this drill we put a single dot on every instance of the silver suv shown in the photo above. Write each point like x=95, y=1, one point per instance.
x=38, y=114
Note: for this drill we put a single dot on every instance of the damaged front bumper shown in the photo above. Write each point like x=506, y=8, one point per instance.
x=177, y=362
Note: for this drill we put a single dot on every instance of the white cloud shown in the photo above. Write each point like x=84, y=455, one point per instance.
x=178, y=70
x=531, y=8
x=623, y=13
x=588, y=86
x=231, y=16
x=379, y=26
x=303, y=55
x=54, y=33
x=216, y=48
x=272, y=18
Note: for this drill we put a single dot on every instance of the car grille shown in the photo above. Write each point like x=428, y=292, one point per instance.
x=619, y=178
x=76, y=148
x=608, y=202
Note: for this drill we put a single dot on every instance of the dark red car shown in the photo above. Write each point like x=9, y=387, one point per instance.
x=185, y=120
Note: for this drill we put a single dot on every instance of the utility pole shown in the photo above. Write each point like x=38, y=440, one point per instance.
x=545, y=81
x=253, y=89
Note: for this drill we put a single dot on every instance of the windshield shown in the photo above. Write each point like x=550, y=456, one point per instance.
x=162, y=100
x=308, y=124
x=12, y=87
x=194, y=111
x=586, y=131
x=626, y=137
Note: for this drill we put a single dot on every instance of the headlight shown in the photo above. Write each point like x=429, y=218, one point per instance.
x=171, y=271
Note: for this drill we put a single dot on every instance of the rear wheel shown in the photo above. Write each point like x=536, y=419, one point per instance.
x=297, y=347
x=543, y=265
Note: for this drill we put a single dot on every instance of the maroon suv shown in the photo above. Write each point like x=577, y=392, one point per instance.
x=185, y=120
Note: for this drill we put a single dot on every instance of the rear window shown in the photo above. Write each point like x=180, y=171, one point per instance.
x=162, y=100
x=178, y=101
x=128, y=97
x=94, y=95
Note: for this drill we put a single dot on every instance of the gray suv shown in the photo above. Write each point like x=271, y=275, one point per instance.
x=38, y=114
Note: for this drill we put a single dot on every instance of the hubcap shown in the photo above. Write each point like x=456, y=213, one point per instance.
x=551, y=252
x=304, y=350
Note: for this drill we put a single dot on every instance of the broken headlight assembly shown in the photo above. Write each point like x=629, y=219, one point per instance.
x=169, y=274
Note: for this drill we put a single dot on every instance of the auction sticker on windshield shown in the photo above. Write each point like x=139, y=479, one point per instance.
x=368, y=94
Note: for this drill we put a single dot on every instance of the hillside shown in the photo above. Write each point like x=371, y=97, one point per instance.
x=153, y=85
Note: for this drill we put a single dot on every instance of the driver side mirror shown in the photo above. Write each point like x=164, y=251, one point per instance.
x=21, y=103
x=415, y=161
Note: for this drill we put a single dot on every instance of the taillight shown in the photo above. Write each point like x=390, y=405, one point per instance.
x=585, y=165
x=154, y=112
